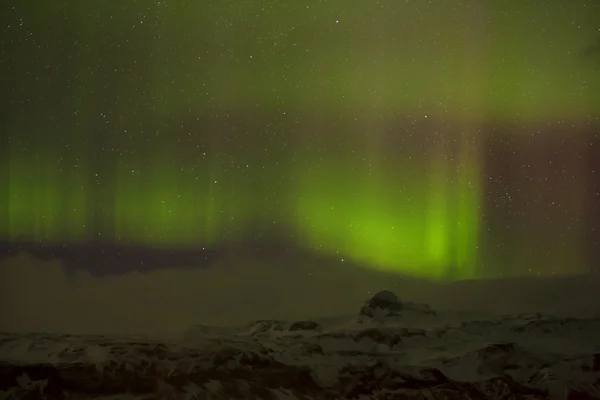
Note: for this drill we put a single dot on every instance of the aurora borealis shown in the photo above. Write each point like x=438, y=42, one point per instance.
x=434, y=138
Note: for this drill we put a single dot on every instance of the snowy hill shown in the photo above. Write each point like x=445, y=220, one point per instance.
x=388, y=350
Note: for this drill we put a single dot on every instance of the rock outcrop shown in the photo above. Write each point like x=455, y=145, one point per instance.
x=385, y=302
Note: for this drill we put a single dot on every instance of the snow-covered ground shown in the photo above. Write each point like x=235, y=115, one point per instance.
x=387, y=349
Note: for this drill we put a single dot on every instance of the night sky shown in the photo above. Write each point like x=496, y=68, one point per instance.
x=431, y=138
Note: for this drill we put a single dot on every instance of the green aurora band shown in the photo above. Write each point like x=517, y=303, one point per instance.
x=361, y=212
x=358, y=197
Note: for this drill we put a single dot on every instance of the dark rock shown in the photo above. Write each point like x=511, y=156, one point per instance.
x=390, y=338
x=575, y=394
x=412, y=332
x=312, y=348
x=304, y=326
x=385, y=301
x=497, y=348
x=262, y=326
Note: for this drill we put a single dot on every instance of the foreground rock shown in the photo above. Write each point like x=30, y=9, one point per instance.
x=147, y=370
x=305, y=360
x=157, y=371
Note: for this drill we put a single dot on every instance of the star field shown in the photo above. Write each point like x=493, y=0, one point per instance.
x=434, y=138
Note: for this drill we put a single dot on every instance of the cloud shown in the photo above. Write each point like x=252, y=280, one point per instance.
x=593, y=50
x=39, y=296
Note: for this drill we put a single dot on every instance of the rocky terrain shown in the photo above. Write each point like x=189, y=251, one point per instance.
x=388, y=350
